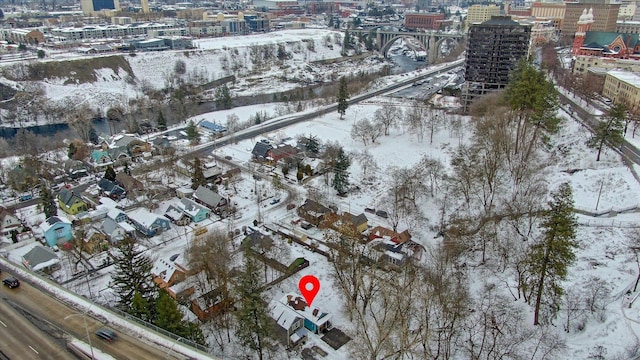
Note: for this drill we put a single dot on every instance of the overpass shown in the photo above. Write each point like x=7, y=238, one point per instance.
x=430, y=40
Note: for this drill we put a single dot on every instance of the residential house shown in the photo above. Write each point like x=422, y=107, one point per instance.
x=260, y=150
x=41, y=259
x=213, y=128
x=290, y=326
x=397, y=254
x=210, y=199
x=94, y=241
x=75, y=169
x=281, y=152
x=117, y=215
x=193, y=211
x=184, y=192
x=115, y=231
x=148, y=223
x=56, y=230
x=100, y=160
x=379, y=232
x=126, y=145
x=70, y=202
x=128, y=182
x=166, y=272
x=111, y=189
x=205, y=304
x=315, y=320
x=346, y=222
x=313, y=212
x=8, y=222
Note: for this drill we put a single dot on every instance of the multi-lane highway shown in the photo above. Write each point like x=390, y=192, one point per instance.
x=22, y=339
x=35, y=324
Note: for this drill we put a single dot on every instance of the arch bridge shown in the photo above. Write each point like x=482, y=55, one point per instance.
x=430, y=40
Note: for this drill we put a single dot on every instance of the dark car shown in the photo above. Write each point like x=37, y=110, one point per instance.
x=106, y=334
x=382, y=214
x=11, y=282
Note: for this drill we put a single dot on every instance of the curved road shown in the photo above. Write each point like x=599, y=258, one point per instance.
x=627, y=149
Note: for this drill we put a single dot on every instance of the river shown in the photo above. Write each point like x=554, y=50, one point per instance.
x=401, y=62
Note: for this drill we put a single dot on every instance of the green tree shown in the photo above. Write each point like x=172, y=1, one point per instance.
x=223, y=98
x=71, y=150
x=550, y=257
x=110, y=174
x=535, y=101
x=253, y=324
x=610, y=130
x=346, y=42
x=132, y=273
x=312, y=145
x=192, y=133
x=140, y=307
x=343, y=95
x=169, y=317
x=341, y=173
x=49, y=207
x=161, y=122
x=198, y=174
x=41, y=54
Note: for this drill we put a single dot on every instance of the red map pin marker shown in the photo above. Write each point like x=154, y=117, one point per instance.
x=309, y=286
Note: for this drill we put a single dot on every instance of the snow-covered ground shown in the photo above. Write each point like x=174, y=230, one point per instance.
x=603, y=257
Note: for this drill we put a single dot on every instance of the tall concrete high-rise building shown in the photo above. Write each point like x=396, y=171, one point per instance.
x=145, y=6
x=90, y=7
x=605, y=13
x=493, y=51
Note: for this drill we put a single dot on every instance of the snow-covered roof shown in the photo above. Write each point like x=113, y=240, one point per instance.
x=50, y=222
x=163, y=268
x=143, y=216
x=283, y=315
x=298, y=304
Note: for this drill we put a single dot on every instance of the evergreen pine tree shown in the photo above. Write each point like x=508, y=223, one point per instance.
x=132, y=273
x=343, y=95
x=223, y=98
x=313, y=145
x=93, y=136
x=110, y=174
x=192, y=133
x=551, y=256
x=169, y=317
x=198, y=174
x=254, y=325
x=341, y=173
x=49, y=207
x=161, y=122
x=167, y=314
x=346, y=43
x=610, y=130
x=71, y=150
x=140, y=308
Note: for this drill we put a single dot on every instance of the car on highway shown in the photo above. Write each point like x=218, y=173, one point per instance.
x=106, y=334
x=11, y=282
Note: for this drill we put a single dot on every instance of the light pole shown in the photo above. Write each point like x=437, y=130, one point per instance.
x=86, y=329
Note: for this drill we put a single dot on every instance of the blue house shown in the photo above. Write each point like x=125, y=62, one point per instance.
x=212, y=127
x=148, y=223
x=111, y=189
x=315, y=320
x=187, y=211
x=56, y=230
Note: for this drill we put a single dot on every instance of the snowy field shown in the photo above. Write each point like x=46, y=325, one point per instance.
x=602, y=254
